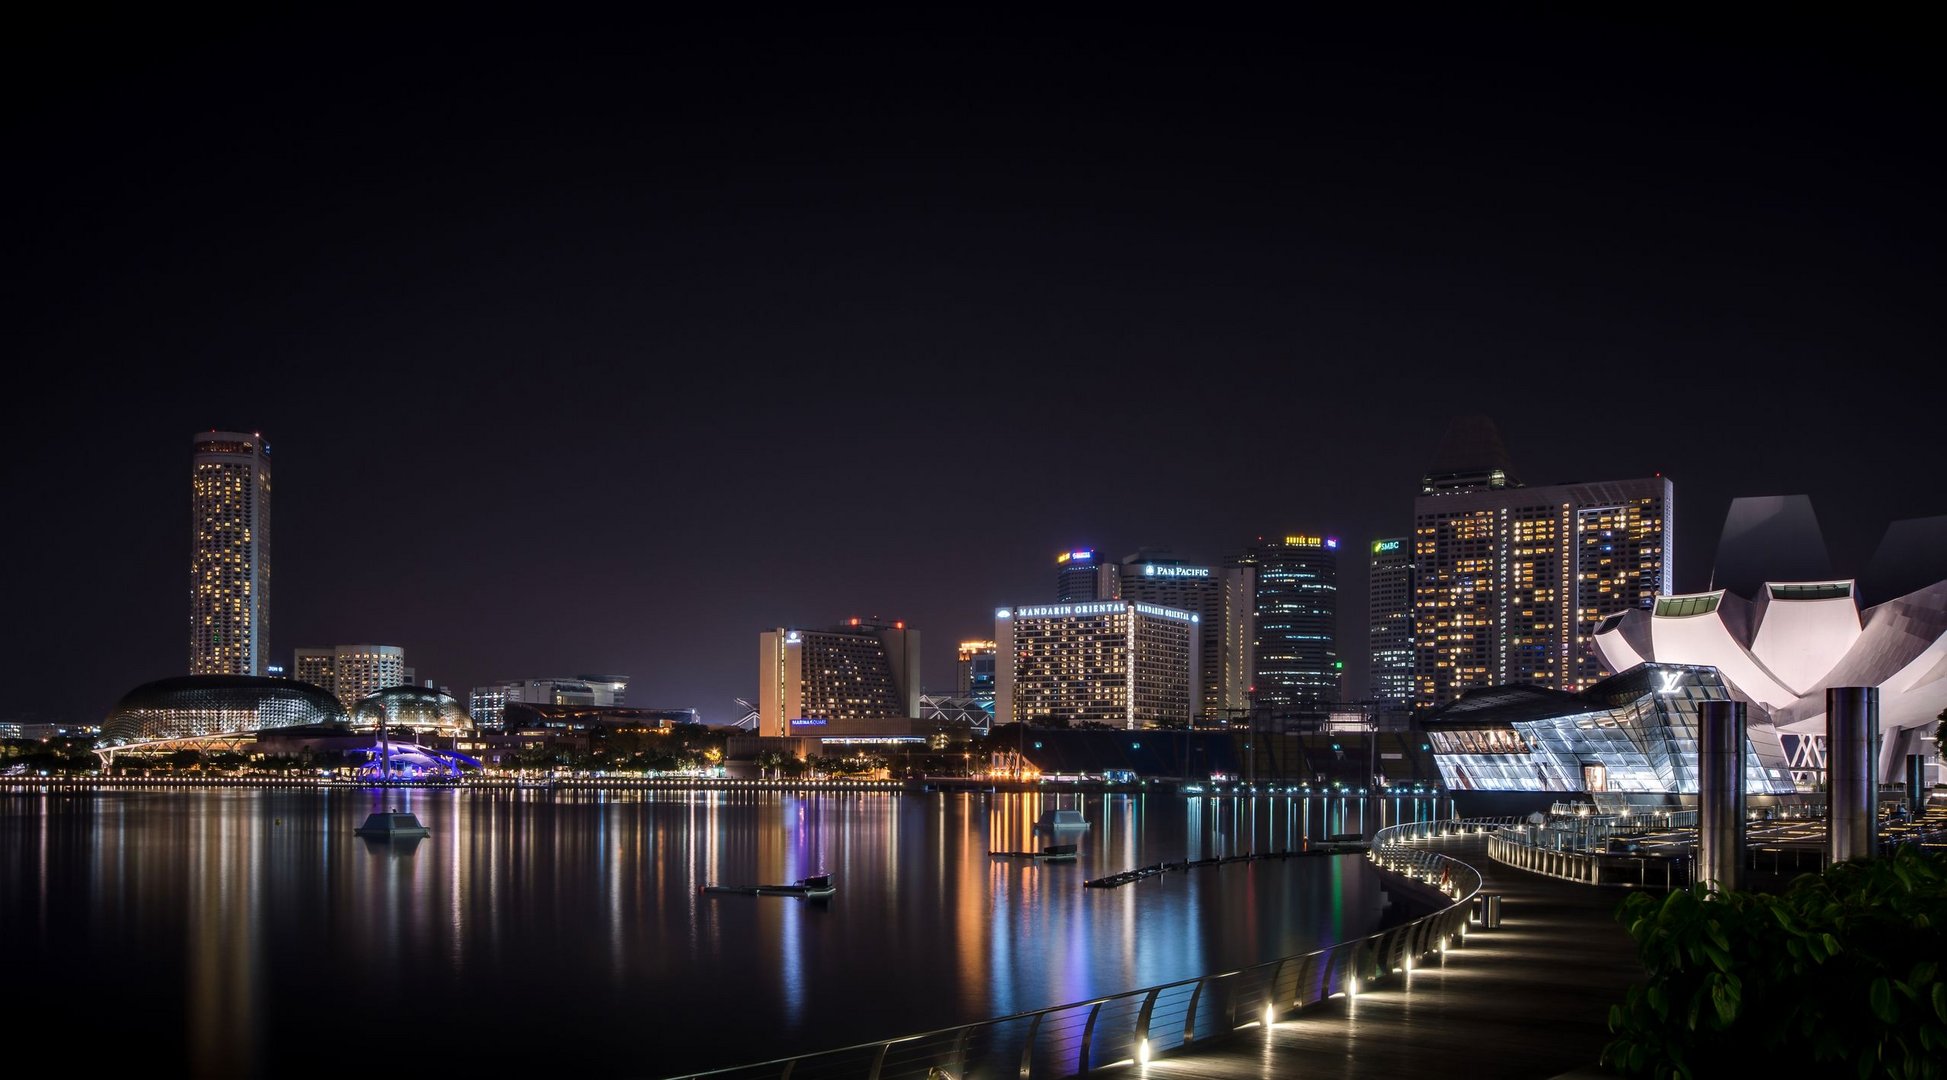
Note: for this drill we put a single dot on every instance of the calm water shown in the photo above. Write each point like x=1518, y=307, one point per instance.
x=249, y=932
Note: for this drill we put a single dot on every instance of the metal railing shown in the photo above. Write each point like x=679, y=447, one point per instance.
x=1133, y=1026
x=1553, y=853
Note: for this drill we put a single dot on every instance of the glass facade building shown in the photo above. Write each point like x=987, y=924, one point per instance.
x=1389, y=639
x=1081, y=576
x=1633, y=733
x=1296, y=650
x=195, y=706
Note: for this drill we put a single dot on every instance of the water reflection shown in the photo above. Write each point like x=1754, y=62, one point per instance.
x=243, y=932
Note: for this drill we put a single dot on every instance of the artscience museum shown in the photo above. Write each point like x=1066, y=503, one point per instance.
x=1773, y=643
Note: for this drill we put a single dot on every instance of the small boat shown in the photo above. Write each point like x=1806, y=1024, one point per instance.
x=1055, y=821
x=815, y=887
x=1057, y=852
x=391, y=825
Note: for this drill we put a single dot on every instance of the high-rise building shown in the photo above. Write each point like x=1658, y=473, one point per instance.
x=352, y=672
x=229, y=566
x=1117, y=662
x=1511, y=583
x=976, y=670
x=315, y=666
x=1081, y=575
x=855, y=673
x=1236, y=634
x=1297, y=662
x=1390, y=628
x=1224, y=600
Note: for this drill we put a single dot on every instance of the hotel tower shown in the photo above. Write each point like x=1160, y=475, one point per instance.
x=229, y=564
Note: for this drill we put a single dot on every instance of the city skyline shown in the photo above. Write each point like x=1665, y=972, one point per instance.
x=659, y=380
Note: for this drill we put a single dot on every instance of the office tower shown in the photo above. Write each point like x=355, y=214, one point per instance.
x=976, y=671
x=1117, y=662
x=352, y=672
x=1080, y=575
x=1390, y=628
x=229, y=567
x=857, y=672
x=1511, y=583
x=1297, y=663
x=1223, y=600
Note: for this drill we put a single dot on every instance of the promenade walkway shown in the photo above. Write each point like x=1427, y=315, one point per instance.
x=1528, y=1000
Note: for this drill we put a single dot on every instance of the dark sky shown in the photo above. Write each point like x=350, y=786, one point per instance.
x=590, y=347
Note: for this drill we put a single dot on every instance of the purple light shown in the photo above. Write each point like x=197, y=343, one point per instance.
x=1331, y=541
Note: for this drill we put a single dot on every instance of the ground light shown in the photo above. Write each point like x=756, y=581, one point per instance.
x=1142, y=1052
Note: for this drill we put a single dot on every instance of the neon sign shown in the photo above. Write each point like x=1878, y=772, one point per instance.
x=802, y=722
x=1382, y=546
x=1152, y=570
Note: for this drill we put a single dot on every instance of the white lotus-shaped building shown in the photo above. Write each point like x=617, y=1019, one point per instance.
x=1781, y=649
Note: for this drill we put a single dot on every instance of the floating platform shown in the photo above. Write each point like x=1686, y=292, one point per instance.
x=391, y=825
x=1051, y=853
x=1127, y=876
x=812, y=888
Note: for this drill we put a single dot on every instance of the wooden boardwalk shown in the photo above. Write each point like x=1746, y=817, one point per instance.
x=1529, y=1000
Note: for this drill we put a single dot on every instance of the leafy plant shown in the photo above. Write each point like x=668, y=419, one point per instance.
x=1842, y=971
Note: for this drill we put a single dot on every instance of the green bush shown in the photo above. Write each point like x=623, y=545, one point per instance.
x=1840, y=974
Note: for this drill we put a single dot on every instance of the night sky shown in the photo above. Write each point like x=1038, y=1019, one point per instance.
x=589, y=347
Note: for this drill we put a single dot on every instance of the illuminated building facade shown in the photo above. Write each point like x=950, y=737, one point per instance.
x=1785, y=646
x=1632, y=734
x=415, y=708
x=843, y=677
x=488, y=704
x=352, y=672
x=205, y=706
x=1224, y=599
x=1122, y=663
x=1511, y=583
x=1390, y=628
x=975, y=673
x=229, y=568
x=1297, y=611
x=1082, y=575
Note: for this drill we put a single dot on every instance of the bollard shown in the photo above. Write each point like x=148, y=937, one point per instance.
x=1490, y=911
x=1720, y=794
x=1852, y=772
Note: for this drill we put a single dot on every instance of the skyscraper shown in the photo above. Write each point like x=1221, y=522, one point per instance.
x=1297, y=621
x=975, y=674
x=1390, y=628
x=229, y=565
x=1224, y=599
x=1511, y=583
x=1080, y=576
